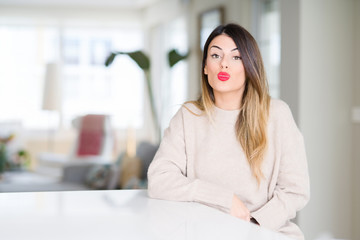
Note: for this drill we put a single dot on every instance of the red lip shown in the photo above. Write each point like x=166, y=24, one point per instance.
x=223, y=76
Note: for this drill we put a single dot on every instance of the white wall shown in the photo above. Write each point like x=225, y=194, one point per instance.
x=356, y=126
x=163, y=11
x=326, y=81
x=290, y=54
x=67, y=15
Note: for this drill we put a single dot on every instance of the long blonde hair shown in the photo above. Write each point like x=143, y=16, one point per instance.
x=251, y=125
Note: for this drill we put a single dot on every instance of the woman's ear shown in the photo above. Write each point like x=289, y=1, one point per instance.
x=205, y=70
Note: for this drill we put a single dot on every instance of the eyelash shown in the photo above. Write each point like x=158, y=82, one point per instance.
x=217, y=56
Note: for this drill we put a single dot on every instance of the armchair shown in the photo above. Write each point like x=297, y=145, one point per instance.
x=94, y=144
x=108, y=175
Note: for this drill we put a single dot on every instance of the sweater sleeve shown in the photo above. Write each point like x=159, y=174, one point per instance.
x=292, y=190
x=167, y=174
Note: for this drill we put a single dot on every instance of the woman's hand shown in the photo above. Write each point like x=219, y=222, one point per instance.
x=239, y=210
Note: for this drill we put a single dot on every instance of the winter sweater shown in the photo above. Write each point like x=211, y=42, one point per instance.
x=201, y=160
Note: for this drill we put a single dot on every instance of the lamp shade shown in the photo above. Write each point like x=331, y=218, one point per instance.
x=52, y=88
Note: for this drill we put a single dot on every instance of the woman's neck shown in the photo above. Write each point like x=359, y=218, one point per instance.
x=228, y=101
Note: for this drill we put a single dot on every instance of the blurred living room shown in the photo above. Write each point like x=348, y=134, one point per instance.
x=89, y=86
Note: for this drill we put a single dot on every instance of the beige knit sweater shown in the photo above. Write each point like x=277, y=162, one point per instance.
x=202, y=161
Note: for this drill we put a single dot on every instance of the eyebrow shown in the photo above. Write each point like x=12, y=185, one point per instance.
x=215, y=46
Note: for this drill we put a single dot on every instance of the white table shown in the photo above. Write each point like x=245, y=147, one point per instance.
x=26, y=181
x=118, y=214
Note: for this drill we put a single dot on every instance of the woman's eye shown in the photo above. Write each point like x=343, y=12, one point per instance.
x=215, y=55
x=237, y=58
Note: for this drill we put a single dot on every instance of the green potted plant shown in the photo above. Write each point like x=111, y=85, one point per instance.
x=143, y=61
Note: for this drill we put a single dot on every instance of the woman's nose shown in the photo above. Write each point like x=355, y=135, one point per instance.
x=224, y=63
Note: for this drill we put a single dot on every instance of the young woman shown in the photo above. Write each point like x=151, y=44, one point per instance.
x=235, y=148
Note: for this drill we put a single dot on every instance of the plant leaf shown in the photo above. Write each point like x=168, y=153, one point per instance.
x=110, y=59
x=141, y=59
x=174, y=57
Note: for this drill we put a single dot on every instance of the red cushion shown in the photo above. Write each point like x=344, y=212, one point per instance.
x=91, y=135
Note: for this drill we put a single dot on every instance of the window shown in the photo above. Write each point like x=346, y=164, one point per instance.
x=21, y=73
x=87, y=85
x=269, y=40
x=173, y=80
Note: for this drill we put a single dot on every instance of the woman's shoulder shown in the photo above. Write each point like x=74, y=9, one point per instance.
x=281, y=118
x=188, y=110
x=191, y=107
x=278, y=106
x=279, y=110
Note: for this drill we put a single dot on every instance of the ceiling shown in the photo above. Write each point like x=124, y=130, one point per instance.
x=130, y=4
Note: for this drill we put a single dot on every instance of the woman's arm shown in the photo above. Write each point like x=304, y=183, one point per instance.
x=292, y=190
x=167, y=174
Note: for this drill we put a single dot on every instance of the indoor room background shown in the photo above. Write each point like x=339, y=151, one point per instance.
x=52, y=70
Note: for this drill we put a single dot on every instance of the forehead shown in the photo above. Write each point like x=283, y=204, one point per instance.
x=223, y=41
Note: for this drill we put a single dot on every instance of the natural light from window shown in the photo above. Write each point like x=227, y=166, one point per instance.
x=88, y=87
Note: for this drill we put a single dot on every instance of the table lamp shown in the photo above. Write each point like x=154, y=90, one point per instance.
x=52, y=94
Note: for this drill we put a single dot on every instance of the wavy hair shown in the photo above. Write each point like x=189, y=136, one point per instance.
x=251, y=124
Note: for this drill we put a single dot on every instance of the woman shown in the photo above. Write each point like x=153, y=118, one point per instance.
x=235, y=148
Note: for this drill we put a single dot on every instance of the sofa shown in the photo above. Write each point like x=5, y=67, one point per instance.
x=86, y=175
